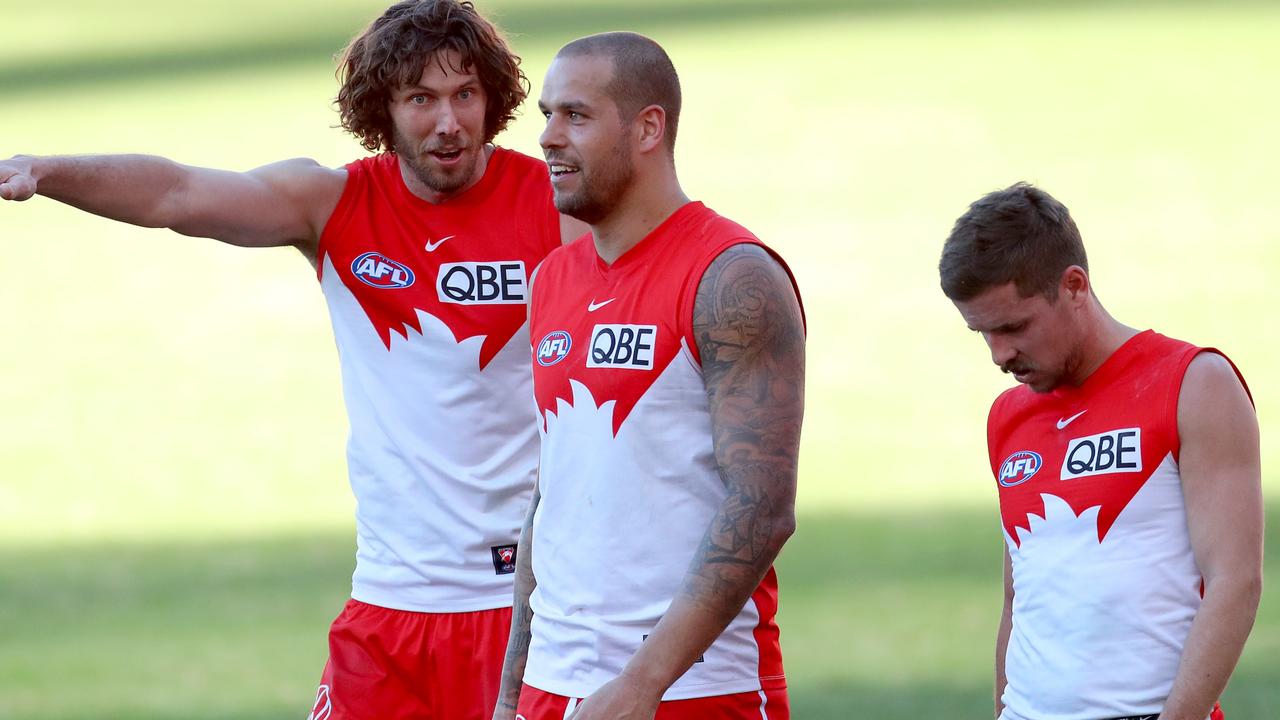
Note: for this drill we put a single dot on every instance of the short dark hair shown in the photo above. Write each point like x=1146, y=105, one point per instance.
x=393, y=51
x=643, y=75
x=1020, y=234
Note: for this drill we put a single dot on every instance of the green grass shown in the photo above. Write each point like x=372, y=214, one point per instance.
x=175, y=526
x=891, y=612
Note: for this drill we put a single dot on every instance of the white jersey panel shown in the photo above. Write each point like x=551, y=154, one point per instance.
x=619, y=522
x=441, y=468
x=1061, y=571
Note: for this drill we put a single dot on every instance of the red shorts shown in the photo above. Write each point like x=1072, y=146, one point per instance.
x=756, y=705
x=397, y=665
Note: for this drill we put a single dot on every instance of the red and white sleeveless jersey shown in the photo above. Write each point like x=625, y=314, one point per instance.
x=1105, y=583
x=628, y=479
x=428, y=304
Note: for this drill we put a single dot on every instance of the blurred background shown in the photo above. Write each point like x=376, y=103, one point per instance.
x=175, y=525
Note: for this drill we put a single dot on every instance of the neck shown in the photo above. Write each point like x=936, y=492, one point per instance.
x=436, y=197
x=645, y=206
x=1102, y=337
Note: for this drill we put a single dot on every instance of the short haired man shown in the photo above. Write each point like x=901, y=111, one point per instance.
x=1129, y=479
x=423, y=253
x=669, y=373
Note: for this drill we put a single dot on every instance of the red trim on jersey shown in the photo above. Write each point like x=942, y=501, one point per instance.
x=766, y=633
x=378, y=214
x=538, y=704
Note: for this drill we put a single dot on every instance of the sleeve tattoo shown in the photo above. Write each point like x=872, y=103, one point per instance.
x=750, y=335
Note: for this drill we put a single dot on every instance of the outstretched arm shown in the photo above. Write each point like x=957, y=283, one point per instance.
x=285, y=203
x=750, y=335
x=1222, y=485
x=521, y=619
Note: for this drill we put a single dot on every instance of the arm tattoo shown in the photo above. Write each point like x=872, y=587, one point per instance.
x=750, y=336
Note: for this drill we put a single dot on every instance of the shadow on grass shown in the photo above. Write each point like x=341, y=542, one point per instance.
x=887, y=615
x=533, y=23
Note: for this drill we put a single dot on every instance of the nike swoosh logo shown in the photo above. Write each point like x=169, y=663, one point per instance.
x=1063, y=423
x=431, y=246
x=594, y=306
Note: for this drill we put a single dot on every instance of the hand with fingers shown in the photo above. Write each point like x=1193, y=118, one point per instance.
x=16, y=180
x=619, y=699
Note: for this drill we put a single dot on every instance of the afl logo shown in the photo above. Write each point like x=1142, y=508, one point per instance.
x=554, y=347
x=1019, y=467
x=381, y=271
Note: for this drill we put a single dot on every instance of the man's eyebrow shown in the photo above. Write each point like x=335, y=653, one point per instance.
x=565, y=106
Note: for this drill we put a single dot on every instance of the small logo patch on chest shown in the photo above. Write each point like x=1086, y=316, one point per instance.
x=622, y=346
x=1019, y=467
x=1114, y=451
x=482, y=283
x=380, y=271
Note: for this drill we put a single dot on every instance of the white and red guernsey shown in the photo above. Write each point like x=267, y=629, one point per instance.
x=1105, y=583
x=628, y=478
x=428, y=304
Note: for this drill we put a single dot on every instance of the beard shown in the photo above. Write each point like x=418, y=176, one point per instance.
x=599, y=188
x=440, y=179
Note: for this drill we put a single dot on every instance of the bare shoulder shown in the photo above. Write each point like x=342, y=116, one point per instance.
x=1213, y=401
x=308, y=186
x=746, y=309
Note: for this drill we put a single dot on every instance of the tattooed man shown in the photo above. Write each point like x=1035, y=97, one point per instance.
x=669, y=376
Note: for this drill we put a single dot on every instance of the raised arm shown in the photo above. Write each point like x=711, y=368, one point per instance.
x=521, y=619
x=750, y=336
x=1222, y=486
x=285, y=203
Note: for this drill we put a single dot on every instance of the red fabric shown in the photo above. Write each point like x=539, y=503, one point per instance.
x=766, y=633
x=538, y=705
x=661, y=274
x=389, y=664
x=378, y=214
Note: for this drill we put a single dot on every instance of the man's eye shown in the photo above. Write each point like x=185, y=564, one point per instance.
x=465, y=95
x=418, y=99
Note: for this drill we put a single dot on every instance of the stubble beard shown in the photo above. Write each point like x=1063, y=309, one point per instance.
x=443, y=182
x=599, y=190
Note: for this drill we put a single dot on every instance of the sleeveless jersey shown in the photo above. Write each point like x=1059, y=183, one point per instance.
x=628, y=478
x=1105, y=583
x=428, y=304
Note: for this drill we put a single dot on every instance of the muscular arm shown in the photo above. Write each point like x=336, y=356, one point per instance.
x=285, y=203
x=749, y=332
x=521, y=618
x=1222, y=486
x=1002, y=634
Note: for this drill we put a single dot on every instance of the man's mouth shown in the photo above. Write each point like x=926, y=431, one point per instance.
x=561, y=169
x=446, y=156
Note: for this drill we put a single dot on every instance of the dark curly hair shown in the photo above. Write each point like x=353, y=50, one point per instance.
x=394, y=49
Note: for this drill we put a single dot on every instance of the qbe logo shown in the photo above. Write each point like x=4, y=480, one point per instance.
x=553, y=348
x=380, y=271
x=1114, y=451
x=482, y=283
x=622, y=346
x=1019, y=467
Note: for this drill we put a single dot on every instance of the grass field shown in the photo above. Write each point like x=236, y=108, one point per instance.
x=175, y=527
